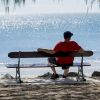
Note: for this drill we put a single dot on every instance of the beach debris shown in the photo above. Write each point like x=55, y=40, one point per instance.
x=7, y=79
x=47, y=75
x=7, y=76
x=96, y=74
x=72, y=74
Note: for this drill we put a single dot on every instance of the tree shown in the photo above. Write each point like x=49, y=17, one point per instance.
x=6, y=3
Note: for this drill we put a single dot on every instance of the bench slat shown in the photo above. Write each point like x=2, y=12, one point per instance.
x=35, y=54
x=41, y=65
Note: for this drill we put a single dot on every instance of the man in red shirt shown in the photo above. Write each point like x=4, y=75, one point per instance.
x=65, y=46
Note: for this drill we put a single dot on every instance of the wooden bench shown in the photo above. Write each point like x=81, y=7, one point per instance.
x=35, y=54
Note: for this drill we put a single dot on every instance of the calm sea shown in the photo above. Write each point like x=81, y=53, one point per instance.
x=29, y=32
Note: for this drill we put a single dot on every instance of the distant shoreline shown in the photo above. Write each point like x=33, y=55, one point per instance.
x=31, y=72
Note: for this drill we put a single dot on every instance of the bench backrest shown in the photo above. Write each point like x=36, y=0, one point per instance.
x=35, y=54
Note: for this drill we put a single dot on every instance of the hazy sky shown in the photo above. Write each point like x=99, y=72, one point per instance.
x=53, y=6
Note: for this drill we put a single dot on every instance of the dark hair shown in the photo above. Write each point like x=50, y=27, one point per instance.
x=67, y=34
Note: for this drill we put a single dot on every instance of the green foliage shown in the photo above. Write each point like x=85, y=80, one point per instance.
x=19, y=3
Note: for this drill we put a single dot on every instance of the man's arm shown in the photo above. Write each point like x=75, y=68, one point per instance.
x=46, y=50
x=81, y=50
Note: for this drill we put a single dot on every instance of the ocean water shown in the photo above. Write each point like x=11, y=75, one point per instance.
x=29, y=32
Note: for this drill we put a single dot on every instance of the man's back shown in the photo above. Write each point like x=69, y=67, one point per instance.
x=66, y=47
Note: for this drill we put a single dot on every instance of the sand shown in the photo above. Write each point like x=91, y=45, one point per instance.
x=30, y=91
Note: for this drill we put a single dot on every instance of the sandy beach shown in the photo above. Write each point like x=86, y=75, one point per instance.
x=31, y=91
x=26, y=25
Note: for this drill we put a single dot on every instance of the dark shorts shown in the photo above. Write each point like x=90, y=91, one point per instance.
x=53, y=61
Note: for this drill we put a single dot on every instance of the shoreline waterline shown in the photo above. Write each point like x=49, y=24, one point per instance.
x=32, y=72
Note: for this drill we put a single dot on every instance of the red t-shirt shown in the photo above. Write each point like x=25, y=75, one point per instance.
x=64, y=46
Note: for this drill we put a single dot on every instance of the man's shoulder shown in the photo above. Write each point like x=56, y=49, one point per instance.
x=60, y=42
x=73, y=42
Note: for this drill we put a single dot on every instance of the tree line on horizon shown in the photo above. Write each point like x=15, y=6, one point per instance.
x=6, y=3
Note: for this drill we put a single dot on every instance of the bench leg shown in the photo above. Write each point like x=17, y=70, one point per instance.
x=80, y=74
x=18, y=78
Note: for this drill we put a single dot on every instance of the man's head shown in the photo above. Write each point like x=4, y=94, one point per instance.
x=67, y=35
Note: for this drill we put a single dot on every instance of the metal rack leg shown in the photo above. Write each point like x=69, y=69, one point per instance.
x=80, y=74
x=18, y=78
